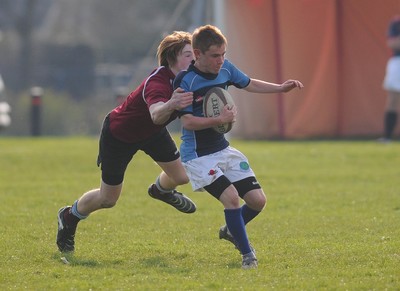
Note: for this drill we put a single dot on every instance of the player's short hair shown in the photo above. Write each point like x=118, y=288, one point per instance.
x=206, y=36
x=171, y=46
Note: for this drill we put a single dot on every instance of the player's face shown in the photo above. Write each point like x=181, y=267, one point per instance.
x=212, y=60
x=184, y=58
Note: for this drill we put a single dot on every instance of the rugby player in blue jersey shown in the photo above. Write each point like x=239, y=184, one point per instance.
x=210, y=162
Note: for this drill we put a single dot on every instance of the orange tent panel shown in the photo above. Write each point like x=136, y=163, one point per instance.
x=336, y=48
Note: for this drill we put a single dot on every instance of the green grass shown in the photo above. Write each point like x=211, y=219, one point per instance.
x=331, y=223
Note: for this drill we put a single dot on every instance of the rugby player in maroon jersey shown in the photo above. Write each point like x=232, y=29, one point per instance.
x=139, y=123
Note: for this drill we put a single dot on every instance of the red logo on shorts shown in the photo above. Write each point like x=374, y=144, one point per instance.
x=212, y=172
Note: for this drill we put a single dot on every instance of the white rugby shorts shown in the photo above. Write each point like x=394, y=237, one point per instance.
x=392, y=77
x=230, y=162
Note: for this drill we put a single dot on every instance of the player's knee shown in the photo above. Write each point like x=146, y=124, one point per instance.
x=230, y=200
x=108, y=203
x=231, y=204
x=110, y=196
x=261, y=201
x=256, y=199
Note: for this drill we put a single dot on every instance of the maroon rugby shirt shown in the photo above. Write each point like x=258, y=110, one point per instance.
x=131, y=122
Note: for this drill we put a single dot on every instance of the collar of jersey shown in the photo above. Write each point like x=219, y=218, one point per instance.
x=208, y=76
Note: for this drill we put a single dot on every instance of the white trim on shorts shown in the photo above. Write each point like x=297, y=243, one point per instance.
x=392, y=77
x=230, y=162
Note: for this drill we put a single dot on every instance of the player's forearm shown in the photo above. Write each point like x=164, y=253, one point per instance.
x=258, y=86
x=160, y=112
x=199, y=123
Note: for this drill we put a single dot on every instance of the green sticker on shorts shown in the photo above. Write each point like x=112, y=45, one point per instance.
x=244, y=166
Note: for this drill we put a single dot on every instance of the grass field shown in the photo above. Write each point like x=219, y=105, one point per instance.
x=332, y=222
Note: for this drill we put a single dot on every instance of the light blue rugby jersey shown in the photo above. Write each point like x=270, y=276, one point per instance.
x=197, y=143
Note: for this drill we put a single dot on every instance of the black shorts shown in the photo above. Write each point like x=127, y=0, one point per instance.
x=115, y=155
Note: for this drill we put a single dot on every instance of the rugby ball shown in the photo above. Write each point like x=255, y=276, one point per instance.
x=213, y=103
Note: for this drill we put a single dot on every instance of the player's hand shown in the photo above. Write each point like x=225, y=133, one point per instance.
x=181, y=99
x=228, y=114
x=291, y=84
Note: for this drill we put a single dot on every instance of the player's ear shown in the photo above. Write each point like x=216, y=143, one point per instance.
x=197, y=53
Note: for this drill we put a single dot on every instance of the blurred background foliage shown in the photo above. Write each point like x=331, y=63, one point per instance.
x=83, y=54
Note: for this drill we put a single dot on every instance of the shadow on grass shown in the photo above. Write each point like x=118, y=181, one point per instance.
x=155, y=262
x=165, y=264
x=70, y=259
x=159, y=262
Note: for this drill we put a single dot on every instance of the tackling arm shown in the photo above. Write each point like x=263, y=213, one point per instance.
x=160, y=112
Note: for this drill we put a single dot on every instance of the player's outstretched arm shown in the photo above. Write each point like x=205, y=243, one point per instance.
x=291, y=84
x=259, y=86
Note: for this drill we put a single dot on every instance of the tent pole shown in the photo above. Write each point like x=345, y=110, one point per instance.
x=278, y=66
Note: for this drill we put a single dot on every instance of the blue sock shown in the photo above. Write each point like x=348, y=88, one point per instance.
x=248, y=214
x=74, y=211
x=162, y=190
x=235, y=223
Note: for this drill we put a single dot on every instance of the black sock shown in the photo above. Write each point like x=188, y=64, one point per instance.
x=248, y=214
x=390, y=123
